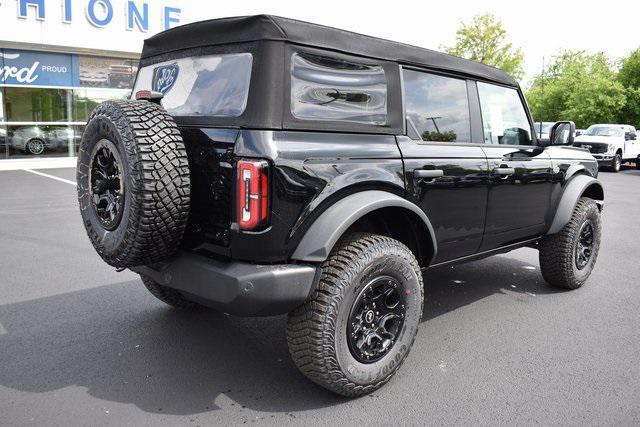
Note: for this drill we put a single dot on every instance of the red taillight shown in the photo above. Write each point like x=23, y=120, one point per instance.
x=252, y=199
x=143, y=94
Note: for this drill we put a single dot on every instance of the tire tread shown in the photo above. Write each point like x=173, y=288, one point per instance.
x=311, y=327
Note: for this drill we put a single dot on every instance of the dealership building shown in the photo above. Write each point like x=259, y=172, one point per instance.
x=60, y=58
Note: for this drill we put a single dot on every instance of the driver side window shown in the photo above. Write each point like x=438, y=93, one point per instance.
x=504, y=118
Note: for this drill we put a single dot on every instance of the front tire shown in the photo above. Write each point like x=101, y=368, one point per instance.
x=616, y=163
x=356, y=329
x=567, y=258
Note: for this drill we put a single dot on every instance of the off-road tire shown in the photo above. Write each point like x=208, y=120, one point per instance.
x=156, y=182
x=316, y=331
x=616, y=163
x=638, y=162
x=169, y=296
x=557, y=251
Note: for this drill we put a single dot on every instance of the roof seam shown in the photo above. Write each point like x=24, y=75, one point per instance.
x=273, y=21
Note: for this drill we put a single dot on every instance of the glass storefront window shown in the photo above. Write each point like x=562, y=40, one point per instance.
x=41, y=140
x=85, y=100
x=25, y=104
x=97, y=71
x=48, y=119
x=4, y=142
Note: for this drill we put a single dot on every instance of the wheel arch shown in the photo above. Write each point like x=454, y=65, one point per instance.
x=579, y=186
x=373, y=211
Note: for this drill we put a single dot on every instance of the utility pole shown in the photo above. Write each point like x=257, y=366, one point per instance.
x=541, y=99
x=433, y=119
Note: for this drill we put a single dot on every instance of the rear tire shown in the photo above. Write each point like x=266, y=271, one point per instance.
x=169, y=296
x=335, y=337
x=133, y=183
x=638, y=162
x=563, y=259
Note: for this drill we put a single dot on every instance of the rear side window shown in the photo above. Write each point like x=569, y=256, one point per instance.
x=324, y=88
x=214, y=85
x=504, y=118
x=438, y=106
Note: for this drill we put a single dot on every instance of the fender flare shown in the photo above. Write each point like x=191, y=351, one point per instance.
x=572, y=193
x=323, y=234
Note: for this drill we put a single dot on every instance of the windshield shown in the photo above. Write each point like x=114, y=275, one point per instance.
x=604, y=131
x=214, y=85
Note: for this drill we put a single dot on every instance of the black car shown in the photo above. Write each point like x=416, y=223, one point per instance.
x=271, y=166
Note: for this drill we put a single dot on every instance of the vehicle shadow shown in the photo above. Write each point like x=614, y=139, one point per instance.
x=449, y=288
x=123, y=346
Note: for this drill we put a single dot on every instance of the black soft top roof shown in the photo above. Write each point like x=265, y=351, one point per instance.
x=274, y=28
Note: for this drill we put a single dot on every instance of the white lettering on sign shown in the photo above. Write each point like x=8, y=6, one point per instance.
x=22, y=75
x=54, y=69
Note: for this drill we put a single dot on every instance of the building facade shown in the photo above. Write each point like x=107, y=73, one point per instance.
x=60, y=58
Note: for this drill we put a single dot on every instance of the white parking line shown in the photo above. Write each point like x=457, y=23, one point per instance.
x=3, y=331
x=57, y=178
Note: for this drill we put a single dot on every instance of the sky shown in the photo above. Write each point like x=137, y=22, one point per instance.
x=541, y=28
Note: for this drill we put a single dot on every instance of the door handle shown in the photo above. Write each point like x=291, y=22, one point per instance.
x=504, y=171
x=424, y=173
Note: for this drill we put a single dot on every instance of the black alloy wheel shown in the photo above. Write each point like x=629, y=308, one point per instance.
x=376, y=318
x=584, y=245
x=106, y=184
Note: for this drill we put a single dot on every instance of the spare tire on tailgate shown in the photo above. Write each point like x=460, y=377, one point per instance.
x=133, y=183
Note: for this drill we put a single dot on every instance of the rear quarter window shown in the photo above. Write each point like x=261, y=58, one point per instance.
x=324, y=88
x=214, y=85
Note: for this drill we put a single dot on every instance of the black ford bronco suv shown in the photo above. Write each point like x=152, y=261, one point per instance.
x=269, y=166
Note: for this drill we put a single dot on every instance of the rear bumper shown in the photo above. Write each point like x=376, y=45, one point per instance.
x=235, y=287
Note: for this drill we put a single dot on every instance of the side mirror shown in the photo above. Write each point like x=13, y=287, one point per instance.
x=562, y=133
x=578, y=133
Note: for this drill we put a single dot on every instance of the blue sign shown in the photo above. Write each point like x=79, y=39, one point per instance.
x=164, y=77
x=38, y=68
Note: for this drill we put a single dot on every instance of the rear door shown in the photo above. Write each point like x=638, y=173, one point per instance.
x=631, y=144
x=446, y=170
x=521, y=174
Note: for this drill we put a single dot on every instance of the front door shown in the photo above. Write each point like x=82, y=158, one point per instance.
x=521, y=173
x=445, y=174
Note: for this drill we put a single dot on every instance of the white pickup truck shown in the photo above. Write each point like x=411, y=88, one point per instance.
x=611, y=144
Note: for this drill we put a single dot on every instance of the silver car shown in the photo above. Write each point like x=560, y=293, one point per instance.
x=36, y=139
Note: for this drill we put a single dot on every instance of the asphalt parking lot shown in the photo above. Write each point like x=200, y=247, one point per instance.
x=81, y=344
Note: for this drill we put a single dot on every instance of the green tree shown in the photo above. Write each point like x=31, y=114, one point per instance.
x=629, y=77
x=629, y=74
x=578, y=87
x=485, y=40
